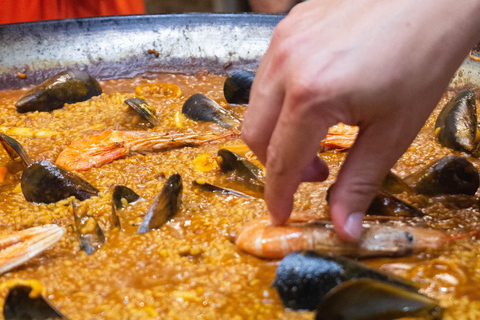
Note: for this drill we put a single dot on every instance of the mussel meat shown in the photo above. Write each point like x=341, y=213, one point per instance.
x=119, y=193
x=201, y=108
x=66, y=87
x=143, y=109
x=165, y=205
x=367, y=299
x=456, y=125
x=90, y=235
x=304, y=277
x=449, y=175
x=237, y=86
x=252, y=175
x=45, y=182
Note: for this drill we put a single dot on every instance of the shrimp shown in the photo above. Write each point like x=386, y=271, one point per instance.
x=98, y=149
x=303, y=232
x=340, y=136
x=18, y=247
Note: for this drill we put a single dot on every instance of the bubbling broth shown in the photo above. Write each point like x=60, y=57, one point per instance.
x=190, y=267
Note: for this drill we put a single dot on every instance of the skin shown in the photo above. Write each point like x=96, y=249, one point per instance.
x=271, y=6
x=379, y=65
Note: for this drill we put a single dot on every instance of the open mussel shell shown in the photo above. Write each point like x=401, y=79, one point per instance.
x=367, y=299
x=90, y=235
x=201, y=108
x=119, y=193
x=252, y=175
x=304, y=277
x=449, y=175
x=14, y=149
x=393, y=184
x=456, y=125
x=66, y=87
x=19, y=305
x=165, y=205
x=204, y=186
x=237, y=86
x=143, y=109
x=46, y=183
x=384, y=204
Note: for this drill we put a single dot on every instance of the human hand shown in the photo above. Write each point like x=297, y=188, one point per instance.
x=380, y=65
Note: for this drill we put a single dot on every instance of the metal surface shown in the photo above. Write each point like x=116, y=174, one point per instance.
x=116, y=47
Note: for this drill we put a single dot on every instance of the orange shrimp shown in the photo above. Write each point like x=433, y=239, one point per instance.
x=340, y=136
x=98, y=149
x=303, y=232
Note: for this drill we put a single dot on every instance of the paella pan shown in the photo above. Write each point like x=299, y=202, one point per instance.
x=153, y=207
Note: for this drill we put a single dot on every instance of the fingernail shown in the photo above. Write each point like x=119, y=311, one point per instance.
x=353, y=225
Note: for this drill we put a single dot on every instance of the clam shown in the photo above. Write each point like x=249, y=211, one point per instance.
x=165, y=205
x=90, y=235
x=119, y=193
x=456, y=125
x=201, y=108
x=236, y=88
x=449, y=175
x=303, y=278
x=143, y=109
x=249, y=172
x=367, y=299
x=66, y=87
x=45, y=182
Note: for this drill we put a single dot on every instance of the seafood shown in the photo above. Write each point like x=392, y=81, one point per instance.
x=393, y=184
x=456, y=125
x=213, y=188
x=251, y=174
x=20, y=246
x=384, y=204
x=98, y=149
x=201, y=108
x=340, y=136
x=25, y=300
x=165, y=205
x=261, y=239
x=371, y=299
x=303, y=278
x=90, y=235
x=143, y=109
x=66, y=87
x=119, y=193
x=46, y=182
x=449, y=175
x=237, y=86
x=14, y=149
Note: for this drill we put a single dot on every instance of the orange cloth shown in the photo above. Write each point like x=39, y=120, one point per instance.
x=12, y=11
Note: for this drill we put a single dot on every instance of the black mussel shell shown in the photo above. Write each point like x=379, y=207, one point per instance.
x=143, y=109
x=303, y=278
x=204, y=186
x=119, y=193
x=19, y=305
x=252, y=175
x=393, y=184
x=165, y=205
x=66, y=87
x=237, y=87
x=201, y=108
x=384, y=204
x=90, y=235
x=456, y=125
x=449, y=175
x=367, y=299
x=14, y=149
x=45, y=182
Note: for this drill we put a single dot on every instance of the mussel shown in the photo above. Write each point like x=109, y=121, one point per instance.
x=393, y=184
x=252, y=175
x=66, y=87
x=89, y=233
x=14, y=149
x=367, y=299
x=45, y=182
x=165, y=205
x=449, y=175
x=119, y=193
x=23, y=301
x=236, y=88
x=201, y=108
x=456, y=125
x=384, y=204
x=213, y=188
x=303, y=278
x=143, y=109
